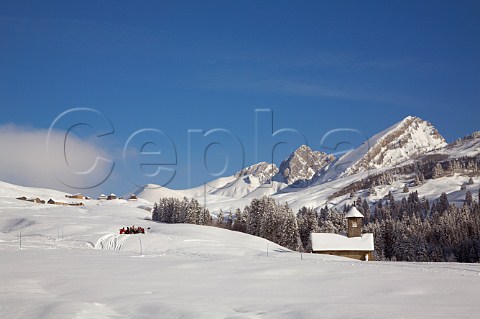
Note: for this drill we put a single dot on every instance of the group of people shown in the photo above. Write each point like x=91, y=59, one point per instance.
x=132, y=230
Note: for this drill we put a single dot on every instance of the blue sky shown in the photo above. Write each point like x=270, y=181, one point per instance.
x=180, y=65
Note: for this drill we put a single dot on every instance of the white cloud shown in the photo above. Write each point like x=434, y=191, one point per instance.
x=24, y=159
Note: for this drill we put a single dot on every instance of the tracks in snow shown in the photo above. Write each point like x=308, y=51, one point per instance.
x=111, y=242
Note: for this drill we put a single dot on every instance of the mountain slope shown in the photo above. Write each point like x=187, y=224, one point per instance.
x=409, y=138
x=466, y=146
x=11, y=190
x=410, y=142
x=248, y=180
x=153, y=192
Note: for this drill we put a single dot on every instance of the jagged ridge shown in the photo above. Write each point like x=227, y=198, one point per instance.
x=303, y=164
x=409, y=138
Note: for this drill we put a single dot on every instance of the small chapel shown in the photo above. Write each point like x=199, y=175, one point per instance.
x=354, y=245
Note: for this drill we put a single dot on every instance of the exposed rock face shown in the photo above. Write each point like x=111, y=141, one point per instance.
x=262, y=171
x=303, y=164
x=409, y=138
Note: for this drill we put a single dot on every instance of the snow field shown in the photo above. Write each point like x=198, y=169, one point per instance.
x=190, y=271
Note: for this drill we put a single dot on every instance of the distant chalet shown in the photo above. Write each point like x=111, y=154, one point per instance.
x=31, y=199
x=355, y=245
x=77, y=196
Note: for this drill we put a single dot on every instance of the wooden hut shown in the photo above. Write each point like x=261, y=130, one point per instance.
x=51, y=201
x=76, y=204
x=76, y=196
x=35, y=200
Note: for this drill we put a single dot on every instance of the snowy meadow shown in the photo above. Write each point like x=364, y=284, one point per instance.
x=74, y=264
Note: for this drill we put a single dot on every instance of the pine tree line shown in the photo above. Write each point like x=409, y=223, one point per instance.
x=267, y=219
x=413, y=230
x=263, y=218
x=172, y=210
x=410, y=229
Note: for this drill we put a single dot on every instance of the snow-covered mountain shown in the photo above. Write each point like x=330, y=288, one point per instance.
x=238, y=185
x=314, y=179
x=262, y=171
x=302, y=165
x=248, y=180
x=409, y=138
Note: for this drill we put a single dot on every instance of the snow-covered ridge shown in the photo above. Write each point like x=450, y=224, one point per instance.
x=153, y=192
x=14, y=191
x=406, y=142
x=412, y=136
x=467, y=146
x=262, y=171
x=409, y=138
x=247, y=180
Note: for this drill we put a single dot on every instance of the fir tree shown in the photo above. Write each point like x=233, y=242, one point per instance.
x=468, y=198
x=366, y=211
x=307, y=224
x=254, y=216
x=229, y=220
x=239, y=223
x=443, y=203
x=270, y=221
x=220, y=220
x=438, y=171
x=372, y=191
x=290, y=236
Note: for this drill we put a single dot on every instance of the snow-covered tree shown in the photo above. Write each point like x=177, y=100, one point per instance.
x=229, y=220
x=443, y=203
x=220, y=220
x=468, y=198
x=270, y=221
x=239, y=222
x=307, y=223
x=253, y=213
x=438, y=171
x=289, y=235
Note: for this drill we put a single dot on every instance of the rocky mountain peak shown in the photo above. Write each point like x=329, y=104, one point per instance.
x=263, y=171
x=410, y=137
x=303, y=164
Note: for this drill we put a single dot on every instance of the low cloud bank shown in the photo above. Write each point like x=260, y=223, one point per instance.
x=67, y=165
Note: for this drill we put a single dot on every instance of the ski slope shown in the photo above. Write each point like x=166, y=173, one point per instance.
x=74, y=264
